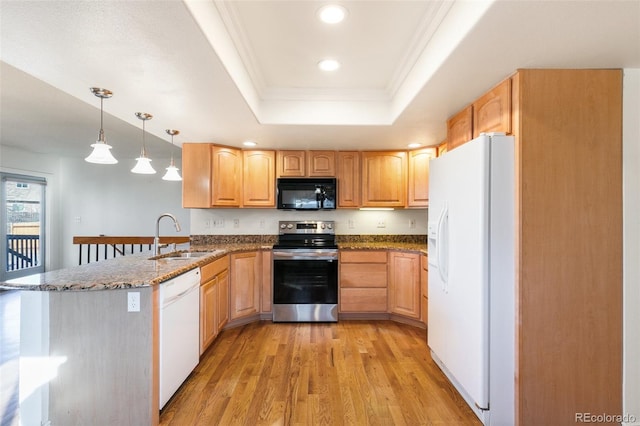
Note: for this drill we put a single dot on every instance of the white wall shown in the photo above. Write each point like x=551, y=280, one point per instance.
x=265, y=221
x=631, y=237
x=85, y=199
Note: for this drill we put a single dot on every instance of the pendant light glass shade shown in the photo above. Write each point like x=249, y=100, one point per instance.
x=172, y=171
x=143, y=163
x=101, y=153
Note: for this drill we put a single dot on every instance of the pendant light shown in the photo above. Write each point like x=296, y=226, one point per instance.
x=101, y=153
x=172, y=170
x=143, y=163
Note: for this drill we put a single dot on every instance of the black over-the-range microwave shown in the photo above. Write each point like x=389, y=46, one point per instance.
x=306, y=193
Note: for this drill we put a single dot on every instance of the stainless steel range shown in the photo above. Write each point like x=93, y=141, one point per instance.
x=305, y=272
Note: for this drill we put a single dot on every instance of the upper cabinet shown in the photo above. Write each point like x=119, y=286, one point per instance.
x=196, y=175
x=218, y=176
x=460, y=128
x=384, y=178
x=418, y=182
x=489, y=113
x=226, y=180
x=348, y=178
x=306, y=163
x=258, y=179
x=291, y=164
x=321, y=163
x=492, y=111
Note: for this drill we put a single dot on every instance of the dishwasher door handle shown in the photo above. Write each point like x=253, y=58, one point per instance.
x=172, y=299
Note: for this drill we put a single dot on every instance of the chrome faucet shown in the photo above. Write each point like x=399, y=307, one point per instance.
x=156, y=240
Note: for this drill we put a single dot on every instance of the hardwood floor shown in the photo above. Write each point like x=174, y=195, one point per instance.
x=351, y=372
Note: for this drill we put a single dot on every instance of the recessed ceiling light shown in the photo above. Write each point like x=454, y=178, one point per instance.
x=332, y=14
x=249, y=143
x=414, y=145
x=329, y=65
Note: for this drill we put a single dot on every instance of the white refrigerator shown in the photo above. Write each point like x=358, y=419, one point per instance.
x=471, y=233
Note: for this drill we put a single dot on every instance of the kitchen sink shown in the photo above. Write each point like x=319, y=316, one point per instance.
x=185, y=255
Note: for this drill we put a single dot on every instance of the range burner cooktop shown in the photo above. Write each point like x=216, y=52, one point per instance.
x=306, y=234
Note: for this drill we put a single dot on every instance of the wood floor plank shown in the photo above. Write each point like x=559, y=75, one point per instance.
x=350, y=373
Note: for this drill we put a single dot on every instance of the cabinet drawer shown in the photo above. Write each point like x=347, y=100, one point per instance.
x=363, y=256
x=363, y=300
x=212, y=269
x=363, y=275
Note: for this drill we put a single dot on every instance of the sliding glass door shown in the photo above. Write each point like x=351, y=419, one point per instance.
x=22, y=225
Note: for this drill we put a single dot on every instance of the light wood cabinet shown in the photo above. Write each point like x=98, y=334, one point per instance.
x=348, y=177
x=258, y=179
x=196, y=175
x=418, y=195
x=226, y=178
x=211, y=176
x=321, y=163
x=384, y=178
x=441, y=149
x=424, y=288
x=245, y=284
x=214, y=300
x=568, y=129
x=460, y=128
x=404, y=284
x=291, y=164
x=492, y=111
x=363, y=281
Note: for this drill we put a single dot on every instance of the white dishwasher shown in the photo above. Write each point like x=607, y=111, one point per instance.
x=179, y=331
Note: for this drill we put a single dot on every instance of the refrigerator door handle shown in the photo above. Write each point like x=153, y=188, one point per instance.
x=442, y=247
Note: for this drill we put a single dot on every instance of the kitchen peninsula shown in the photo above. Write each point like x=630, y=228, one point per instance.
x=103, y=357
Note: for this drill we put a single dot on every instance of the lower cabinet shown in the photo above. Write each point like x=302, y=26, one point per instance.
x=404, y=284
x=363, y=281
x=245, y=285
x=214, y=300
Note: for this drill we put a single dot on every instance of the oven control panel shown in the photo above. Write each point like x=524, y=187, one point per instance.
x=306, y=227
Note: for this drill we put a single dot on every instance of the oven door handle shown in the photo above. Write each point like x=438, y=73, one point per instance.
x=293, y=255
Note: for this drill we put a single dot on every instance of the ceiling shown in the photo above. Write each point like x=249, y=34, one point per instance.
x=230, y=71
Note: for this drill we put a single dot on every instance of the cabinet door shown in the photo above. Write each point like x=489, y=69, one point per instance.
x=348, y=179
x=208, y=314
x=258, y=179
x=492, y=112
x=223, y=299
x=404, y=284
x=321, y=163
x=419, y=177
x=226, y=181
x=245, y=285
x=291, y=164
x=460, y=128
x=196, y=175
x=384, y=179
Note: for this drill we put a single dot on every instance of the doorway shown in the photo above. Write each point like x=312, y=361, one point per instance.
x=22, y=222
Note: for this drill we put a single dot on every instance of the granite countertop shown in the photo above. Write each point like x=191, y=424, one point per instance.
x=123, y=272
x=138, y=270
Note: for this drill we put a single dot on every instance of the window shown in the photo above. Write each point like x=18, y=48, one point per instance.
x=22, y=220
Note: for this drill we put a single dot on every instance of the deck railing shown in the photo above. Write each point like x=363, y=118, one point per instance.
x=22, y=251
x=107, y=247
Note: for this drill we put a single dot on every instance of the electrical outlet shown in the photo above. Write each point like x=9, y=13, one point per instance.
x=351, y=224
x=261, y=223
x=218, y=223
x=412, y=223
x=207, y=223
x=236, y=223
x=382, y=224
x=133, y=301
